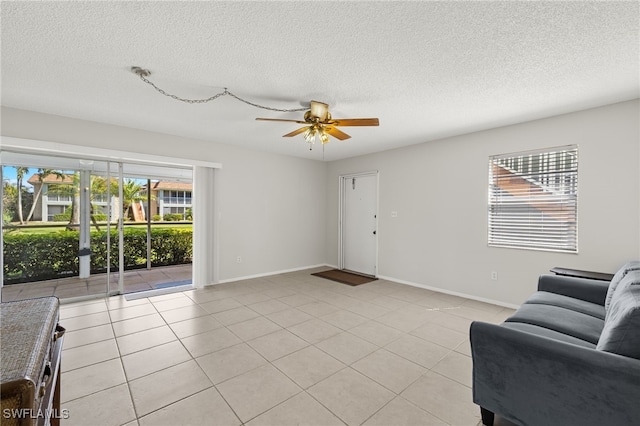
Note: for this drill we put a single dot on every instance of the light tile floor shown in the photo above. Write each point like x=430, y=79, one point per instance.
x=280, y=350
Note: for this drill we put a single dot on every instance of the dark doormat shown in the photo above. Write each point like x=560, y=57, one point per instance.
x=344, y=277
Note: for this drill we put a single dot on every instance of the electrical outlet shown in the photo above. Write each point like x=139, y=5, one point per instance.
x=239, y=259
x=494, y=276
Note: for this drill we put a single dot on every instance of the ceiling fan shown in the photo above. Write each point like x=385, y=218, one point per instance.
x=320, y=125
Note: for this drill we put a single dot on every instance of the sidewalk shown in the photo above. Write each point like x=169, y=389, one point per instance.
x=135, y=280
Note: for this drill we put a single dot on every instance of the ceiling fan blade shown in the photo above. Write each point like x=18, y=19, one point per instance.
x=295, y=132
x=338, y=134
x=354, y=122
x=281, y=119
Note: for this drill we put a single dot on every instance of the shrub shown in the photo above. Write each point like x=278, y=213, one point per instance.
x=173, y=217
x=62, y=217
x=33, y=257
x=36, y=257
x=156, y=218
x=6, y=216
x=66, y=217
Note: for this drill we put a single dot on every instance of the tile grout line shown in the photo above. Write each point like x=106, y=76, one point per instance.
x=304, y=291
x=124, y=371
x=194, y=359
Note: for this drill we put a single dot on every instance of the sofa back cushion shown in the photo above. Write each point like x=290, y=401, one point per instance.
x=615, y=281
x=621, y=332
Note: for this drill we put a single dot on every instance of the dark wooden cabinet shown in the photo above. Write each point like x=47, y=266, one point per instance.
x=31, y=349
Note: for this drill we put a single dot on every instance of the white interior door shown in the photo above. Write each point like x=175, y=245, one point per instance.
x=359, y=223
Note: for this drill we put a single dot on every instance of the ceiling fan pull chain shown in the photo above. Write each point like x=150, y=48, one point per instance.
x=143, y=73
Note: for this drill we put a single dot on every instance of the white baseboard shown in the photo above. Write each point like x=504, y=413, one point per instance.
x=453, y=293
x=268, y=274
x=383, y=277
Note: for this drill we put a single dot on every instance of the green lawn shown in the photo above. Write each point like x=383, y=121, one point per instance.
x=46, y=227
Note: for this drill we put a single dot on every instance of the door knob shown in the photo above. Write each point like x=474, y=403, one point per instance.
x=374, y=232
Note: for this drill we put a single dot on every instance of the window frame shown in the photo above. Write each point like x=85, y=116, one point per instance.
x=533, y=200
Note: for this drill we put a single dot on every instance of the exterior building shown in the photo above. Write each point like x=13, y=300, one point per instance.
x=171, y=198
x=56, y=197
x=53, y=200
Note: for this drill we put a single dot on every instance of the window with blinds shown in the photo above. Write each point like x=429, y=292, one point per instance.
x=533, y=199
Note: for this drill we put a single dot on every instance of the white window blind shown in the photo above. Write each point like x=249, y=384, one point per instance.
x=533, y=199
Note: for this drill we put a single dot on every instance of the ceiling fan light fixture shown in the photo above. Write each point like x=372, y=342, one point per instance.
x=316, y=133
x=310, y=135
x=324, y=138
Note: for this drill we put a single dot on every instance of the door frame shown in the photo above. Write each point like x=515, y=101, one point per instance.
x=341, y=206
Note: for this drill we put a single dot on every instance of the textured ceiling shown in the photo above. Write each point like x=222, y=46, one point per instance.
x=427, y=69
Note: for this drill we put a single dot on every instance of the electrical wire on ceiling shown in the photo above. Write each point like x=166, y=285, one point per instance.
x=318, y=122
x=144, y=73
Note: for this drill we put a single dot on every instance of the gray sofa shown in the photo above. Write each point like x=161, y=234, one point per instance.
x=570, y=355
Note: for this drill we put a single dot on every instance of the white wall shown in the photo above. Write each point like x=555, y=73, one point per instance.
x=439, y=190
x=271, y=206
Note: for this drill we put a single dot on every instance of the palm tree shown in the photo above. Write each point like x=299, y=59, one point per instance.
x=98, y=187
x=20, y=172
x=42, y=175
x=131, y=193
x=9, y=197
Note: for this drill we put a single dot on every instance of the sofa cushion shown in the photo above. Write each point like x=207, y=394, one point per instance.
x=619, y=275
x=621, y=332
x=562, y=320
x=545, y=332
x=547, y=298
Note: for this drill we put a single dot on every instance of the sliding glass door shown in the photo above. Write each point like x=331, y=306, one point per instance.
x=83, y=228
x=46, y=235
x=157, y=227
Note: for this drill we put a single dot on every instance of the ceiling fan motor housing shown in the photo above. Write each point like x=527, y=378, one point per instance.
x=319, y=111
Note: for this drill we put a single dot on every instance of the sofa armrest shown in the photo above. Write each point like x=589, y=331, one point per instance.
x=534, y=380
x=593, y=291
x=592, y=275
